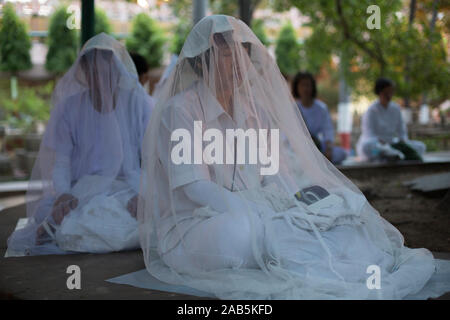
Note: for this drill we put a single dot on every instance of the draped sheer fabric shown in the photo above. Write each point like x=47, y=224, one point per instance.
x=232, y=231
x=92, y=143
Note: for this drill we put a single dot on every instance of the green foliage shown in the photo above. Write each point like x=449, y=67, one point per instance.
x=101, y=22
x=328, y=90
x=31, y=107
x=287, y=51
x=316, y=51
x=432, y=144
x=62, y=43
x=15, y=43
x=181, y=32
x=258, y=29
x=182, y=9
x=146, y=39
x=230, y=7
x=342, y=30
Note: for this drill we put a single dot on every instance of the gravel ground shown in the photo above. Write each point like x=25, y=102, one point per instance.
x=423, y=219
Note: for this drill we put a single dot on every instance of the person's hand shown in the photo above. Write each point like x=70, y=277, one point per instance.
x=40, y=235
x=62, y=207
x=132, y=206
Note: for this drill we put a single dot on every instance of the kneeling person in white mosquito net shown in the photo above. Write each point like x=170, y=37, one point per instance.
x=222, y=214
x=89, y=159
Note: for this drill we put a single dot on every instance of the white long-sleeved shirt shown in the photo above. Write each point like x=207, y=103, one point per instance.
x=89, y=143
x=383, y=123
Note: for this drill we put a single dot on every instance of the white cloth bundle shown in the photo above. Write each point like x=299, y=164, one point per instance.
x=324, y=213
x=101, y=225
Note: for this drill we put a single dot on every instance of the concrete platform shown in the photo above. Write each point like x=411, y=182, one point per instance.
x=429, y=157
x=44, y=277
x=367, y=170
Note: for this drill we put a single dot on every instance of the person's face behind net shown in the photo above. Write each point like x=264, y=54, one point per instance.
x=230, y=60
x=98, y=68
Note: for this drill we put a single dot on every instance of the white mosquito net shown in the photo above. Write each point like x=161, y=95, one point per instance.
x=91, y=146
x=273, y=219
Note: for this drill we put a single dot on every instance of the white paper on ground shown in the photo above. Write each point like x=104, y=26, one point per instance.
x=143, y=279
x=20, y=225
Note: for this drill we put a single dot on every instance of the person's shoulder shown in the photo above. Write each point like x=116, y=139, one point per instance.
x=373, y=107
x=179, y=101
x=395, y=106
x=138, y=93
x=70, y=105
x=185, y=100
x=181, y=105
x=371, y=111
x=136, y=103
x=322, y=105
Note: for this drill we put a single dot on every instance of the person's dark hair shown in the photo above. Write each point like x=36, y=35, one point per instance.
x=196, y=62
x=140, y=63
x=299, y=77
x=381, y=84
x=221, y=40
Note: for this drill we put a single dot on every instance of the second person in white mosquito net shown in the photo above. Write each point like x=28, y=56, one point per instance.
x=89, y=159
x=223, y=214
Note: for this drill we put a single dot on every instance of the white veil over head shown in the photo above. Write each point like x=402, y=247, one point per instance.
x=97, y=123
x=219, y=222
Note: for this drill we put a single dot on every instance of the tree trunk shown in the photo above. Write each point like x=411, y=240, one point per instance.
x=432, y=25
x=87, y=20
x=246, y=11
x=14, y=90
x=344, y=123
x=412, y=14
x=199, y=10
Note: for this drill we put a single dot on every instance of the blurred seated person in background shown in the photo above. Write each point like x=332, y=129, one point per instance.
x=141, y=67
x=316, y=116
x=165, y=76
x=383, y=132
x=89, y=159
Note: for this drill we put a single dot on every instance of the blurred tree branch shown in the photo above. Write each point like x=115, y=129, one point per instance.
x=338, y=26
x=377, y=55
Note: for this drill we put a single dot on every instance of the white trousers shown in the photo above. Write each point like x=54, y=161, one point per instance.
x=225, y=241
x=221, y=241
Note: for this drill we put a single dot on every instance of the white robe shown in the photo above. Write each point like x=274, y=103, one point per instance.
x=386, y=124
x=210, y=240
x=97, y=160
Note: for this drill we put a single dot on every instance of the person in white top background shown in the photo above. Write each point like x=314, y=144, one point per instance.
x=226, y=228
x=383, y=131
x=89, y=159
x=141, y=68
x=316, y=116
